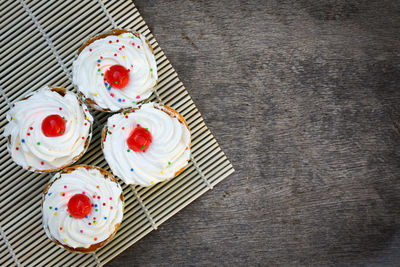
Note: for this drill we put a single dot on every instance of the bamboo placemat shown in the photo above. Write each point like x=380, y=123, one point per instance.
x=39, y=40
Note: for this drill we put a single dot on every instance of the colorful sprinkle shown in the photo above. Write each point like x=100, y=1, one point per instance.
x=17, y=148
x=138, y=96
x=117, y=40
x=95, y=94
x=23, y=140
x=124, y=57
x=83, y=137
x=12, y=118
x=104, y=204
x=147, y=129
x=98, y=197
x=95, y=205
x=96, y=210
x=169, y=162
x=86, y=217
x=128, y=150
x=55, y=208
x=30, y=128
x=81, y=231
x=94, y=222
x=110, y=41
x=19, y=143
x=105, y=218
x=110, y=198
x=102, y=74
x=70, y=216
x=28, y=134
x=94, y=196
x=119, y=99
x=131, y=169
x=94, y=218
x=83, y=193
x=101, y=57
x=187, y=148
x=55, y=213
x=98, y=60
x=138, y=46
x=49, y=194
x=65, y=186
x=90, y=49
x=65, y=240
x=98, y=70
x=90, y=223
x=151, y=69
x=87, y=117
x=115, y=55
x=63, y=194
x=112, y=95
x=85, y=109
x=123, y=128
x=85, y=124
x=97, y=186
x=95, y=239
x=133, y=44
x=152, y=182
x=42, y=163
x=142, y=147
x=50, y=207
x=162, y=171
x=60, y=228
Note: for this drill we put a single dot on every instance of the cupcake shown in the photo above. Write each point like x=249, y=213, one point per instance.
x=82, y=208
x=115, y=70
x=148, y=145
x=48, y=130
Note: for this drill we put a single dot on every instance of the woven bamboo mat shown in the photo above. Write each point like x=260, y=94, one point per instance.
x=39, y=40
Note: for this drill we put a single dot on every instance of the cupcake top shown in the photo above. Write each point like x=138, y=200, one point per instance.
x=116, y=70
x=48, y=129
x=82, y=207
x=147, y=146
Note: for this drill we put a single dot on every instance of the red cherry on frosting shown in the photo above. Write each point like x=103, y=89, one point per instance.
x=117, y=76
x=139, y=139
x=79, y=206
x=53, y=125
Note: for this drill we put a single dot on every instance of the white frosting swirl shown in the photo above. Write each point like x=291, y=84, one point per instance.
x=98, y=225
x=29, y=147
x=96, y=58
x=168, y=152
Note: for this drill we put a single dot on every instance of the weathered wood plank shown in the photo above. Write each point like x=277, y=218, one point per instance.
x=304, y=99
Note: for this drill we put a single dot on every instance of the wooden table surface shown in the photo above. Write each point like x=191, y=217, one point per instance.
x=303, y=97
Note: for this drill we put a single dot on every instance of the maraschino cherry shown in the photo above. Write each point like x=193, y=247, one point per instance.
x=139, y=139
x=117, y=76
x=53, y=125
x=79, y=206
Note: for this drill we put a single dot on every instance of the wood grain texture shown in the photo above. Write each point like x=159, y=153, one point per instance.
x=303, y=96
